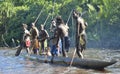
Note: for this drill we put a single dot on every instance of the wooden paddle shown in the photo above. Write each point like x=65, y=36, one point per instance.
x=73, y=57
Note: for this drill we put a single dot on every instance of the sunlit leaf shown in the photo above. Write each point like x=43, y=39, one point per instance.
x=91, y=7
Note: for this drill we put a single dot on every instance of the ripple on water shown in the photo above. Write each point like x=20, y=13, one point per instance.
x=9, y=64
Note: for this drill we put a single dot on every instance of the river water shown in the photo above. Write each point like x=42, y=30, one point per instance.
x=9, y=64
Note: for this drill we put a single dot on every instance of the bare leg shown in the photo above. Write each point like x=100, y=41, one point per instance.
x=37, y=52
x=78, y=48
x=28, y=50
x=42, y=45
x=52, y=58
x=19, y=49
x=63, y=50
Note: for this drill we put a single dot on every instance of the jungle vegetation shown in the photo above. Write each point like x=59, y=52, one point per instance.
x=102, y=16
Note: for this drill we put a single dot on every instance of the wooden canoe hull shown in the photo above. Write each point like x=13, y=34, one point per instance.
x=78, y=62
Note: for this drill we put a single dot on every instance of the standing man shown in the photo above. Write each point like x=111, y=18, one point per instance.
x=25, y=41
x=34, y=36
x=62, y=32
x=43, y=36
x=55, y=40
x=80, y=33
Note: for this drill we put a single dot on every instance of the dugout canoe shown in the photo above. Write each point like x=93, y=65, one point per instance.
x=77, y=62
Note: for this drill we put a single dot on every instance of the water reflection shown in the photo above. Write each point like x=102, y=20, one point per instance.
x=9, y=64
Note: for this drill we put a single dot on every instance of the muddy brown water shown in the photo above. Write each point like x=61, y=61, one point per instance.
x=9, y=64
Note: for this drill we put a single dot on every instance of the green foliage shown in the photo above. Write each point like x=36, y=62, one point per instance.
x=102, y=16
x=91, y=7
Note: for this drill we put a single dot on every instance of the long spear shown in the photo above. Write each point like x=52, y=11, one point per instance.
x=39, y=14
x=69, y=17
x=46, y=19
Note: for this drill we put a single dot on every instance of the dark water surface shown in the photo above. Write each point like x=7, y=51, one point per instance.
x=9, y=64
